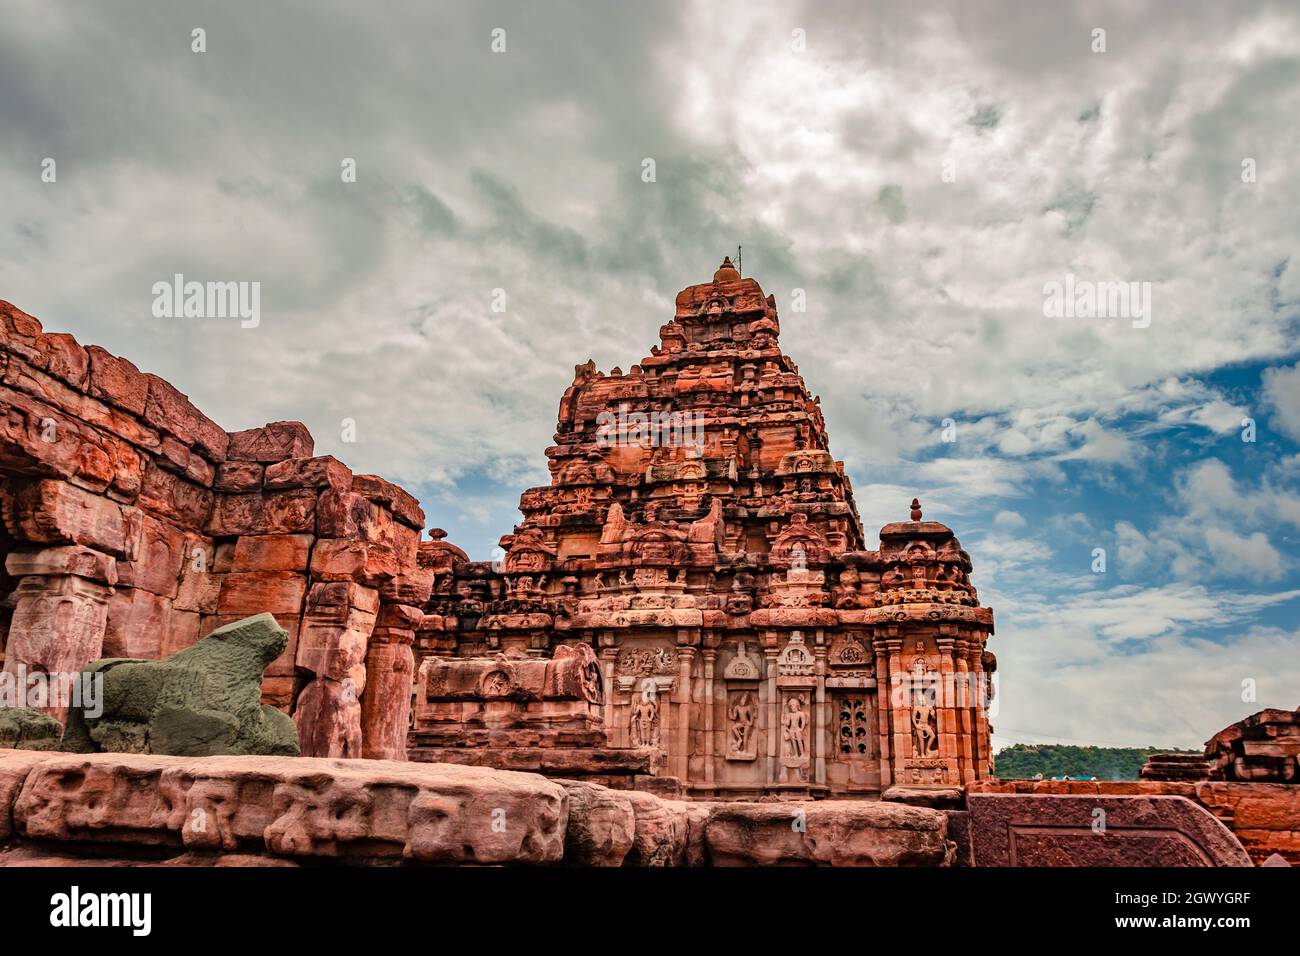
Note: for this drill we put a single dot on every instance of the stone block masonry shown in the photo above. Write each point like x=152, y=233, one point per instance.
x=133, y=524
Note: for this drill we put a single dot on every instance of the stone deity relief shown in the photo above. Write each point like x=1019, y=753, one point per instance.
x=643, y=722
x=925, y=728
x=647, y=661
x=794, y=738
x=742, y=712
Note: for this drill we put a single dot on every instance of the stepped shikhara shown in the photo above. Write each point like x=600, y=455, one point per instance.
x=698, y=535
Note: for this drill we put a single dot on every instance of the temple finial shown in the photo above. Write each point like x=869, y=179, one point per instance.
x=916, y=509
x=726, y=272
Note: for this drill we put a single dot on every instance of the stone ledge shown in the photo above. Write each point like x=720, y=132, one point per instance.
x=149, y=810
x=360, y=810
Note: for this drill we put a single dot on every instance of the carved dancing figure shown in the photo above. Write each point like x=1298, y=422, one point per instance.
x=742, y=723
x=925, y=738
x=795, y=724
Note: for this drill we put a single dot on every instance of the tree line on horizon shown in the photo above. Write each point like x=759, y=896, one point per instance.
x=1023, y=761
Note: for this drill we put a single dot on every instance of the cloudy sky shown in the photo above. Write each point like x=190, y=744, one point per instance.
x=920, y=170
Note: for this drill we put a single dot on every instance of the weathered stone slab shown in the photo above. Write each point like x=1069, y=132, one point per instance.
x=294, y=807
x=15, y=765
x=826, y=833
x=602, y=825
x=1050, y=830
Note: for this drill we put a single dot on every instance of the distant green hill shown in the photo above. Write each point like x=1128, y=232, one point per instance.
x=1022, y=761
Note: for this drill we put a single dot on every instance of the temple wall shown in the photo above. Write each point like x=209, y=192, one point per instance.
x=134, y=525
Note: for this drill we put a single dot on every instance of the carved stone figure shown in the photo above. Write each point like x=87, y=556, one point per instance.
x=644, y=722
x=794, y=725
x=741, y=718
x=925, y=732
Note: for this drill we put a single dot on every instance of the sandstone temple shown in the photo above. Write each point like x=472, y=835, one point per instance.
x=699, y=537
x=688, y=626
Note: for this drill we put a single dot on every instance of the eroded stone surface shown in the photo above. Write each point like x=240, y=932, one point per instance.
x=602, y=825
x=1262, y=748
x=1098, y=830
x=293, y=807
x=133, y=524
x=25, y=729
x=829, y=833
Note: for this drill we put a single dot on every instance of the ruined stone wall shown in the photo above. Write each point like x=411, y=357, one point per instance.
x=133, y=525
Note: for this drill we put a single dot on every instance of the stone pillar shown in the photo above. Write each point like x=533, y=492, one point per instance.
x=390, y=675
x=710, y=657
x=817, y=739
x=773, y=715
x=332, y=646
x=965, y=717
x=900, y=705
x=981, y=746
x=60, y=615
x=608, y=661
x=883, y=714
x=947, y=709
x=682, y=730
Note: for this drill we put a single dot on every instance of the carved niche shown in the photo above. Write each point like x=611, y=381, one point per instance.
x=742, y=675
x=643, y=718
x=795, y=660
x=742, y=712
x=795, y=721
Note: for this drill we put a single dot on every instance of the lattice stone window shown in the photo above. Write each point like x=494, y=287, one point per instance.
x=855, y=727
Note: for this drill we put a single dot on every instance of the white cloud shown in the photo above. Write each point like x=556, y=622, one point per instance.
x=1282, y=392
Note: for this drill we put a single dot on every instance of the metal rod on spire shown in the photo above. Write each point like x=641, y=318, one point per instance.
x=739, y=261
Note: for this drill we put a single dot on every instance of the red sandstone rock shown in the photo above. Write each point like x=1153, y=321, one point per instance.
x=117, y=381
x=272, y=552
x=343, y=560
x=404, y=506
x=323, y=472
x=137, y=625
x=234, y=477
x=112, y=476
x=66, y=560
x=15, y=765
x=174, y=498
x=56, y=512
x=833, y=833
x=252, y=592
x=299, y=807
x=168, y=410
x=1015, y=830
x=602, y=825
x=273, y=442
x=1264, y=747
x=386, y=703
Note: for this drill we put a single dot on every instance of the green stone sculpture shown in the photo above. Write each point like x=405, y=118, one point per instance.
x=201, y=701
x=25, y=729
